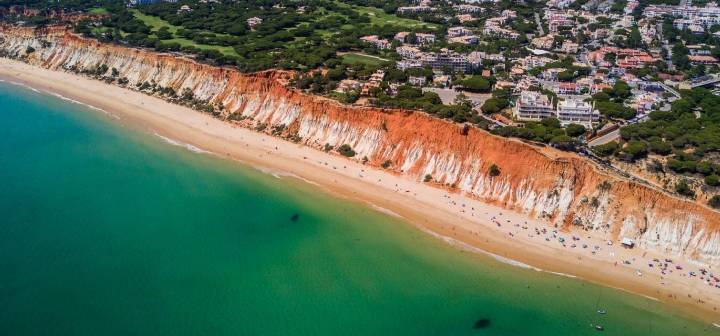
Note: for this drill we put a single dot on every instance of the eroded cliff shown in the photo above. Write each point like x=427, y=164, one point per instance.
x=567, y=189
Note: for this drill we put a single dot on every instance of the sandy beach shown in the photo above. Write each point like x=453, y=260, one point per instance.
x=465, y=222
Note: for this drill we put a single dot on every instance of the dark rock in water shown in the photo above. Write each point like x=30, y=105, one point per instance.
x=482, y=323
x=295, y=217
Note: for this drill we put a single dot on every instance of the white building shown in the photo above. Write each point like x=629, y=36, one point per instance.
x=376, y=41
x=254, y=21
x=458, y=31
x=424, y=38
x=533, y=106
x=417, y=81
x=569, y=47
x=408, y=64
x=576, y=111
x=468, y=8
x=415, y=9
x=467, y=39
x=408, y=52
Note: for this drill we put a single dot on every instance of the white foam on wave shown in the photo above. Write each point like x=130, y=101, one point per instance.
x=384, y=210
x=182, y=144
x=279, y=174
x=634, y=293
x=269, y=171
x=561, y=274
x=504, y=260
x=465, y=246
x=285, y=174
x=81, y=103
x=57, y=95
x=20, y=84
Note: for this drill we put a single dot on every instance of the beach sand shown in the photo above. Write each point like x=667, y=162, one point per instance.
x=465, y=222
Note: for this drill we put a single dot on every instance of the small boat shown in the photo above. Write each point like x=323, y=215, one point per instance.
x=599, y=327
x=601, y=311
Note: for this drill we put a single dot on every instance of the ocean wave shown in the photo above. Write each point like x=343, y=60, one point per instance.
x=634, y=293
x=278, y=174
x=81, y=103
x=57, y=95
x=20, y=84
x=463, y=245
x=384, y=210
x=182, y=144
x=504, y=260
x=268, y=171
x=561, y=274
x=283, y=174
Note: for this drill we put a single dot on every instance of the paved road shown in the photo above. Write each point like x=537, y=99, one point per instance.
x=665, y=46
x=711, y=80
x=496, y=122
x=539, y=24
x=671, y=90
x=614, y=135
x=583, y=58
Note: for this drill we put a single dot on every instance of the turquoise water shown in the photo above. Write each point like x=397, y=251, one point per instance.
x=106, y=230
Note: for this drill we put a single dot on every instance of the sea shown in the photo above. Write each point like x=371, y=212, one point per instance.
x=107, y=228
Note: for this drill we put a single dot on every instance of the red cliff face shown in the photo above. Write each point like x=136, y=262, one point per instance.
x=569, y=190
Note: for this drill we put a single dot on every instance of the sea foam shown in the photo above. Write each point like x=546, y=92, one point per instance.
x=504, y=260
x=182, y=144
x=57, y=95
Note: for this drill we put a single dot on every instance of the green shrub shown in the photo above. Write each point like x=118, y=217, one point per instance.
x=607, y=149
x=575, y=130
x=714, y=201
x=633, y=150
x=660, y=147
x=712, y=180
x=493, y=170
x=346, y=150
x=684, y=189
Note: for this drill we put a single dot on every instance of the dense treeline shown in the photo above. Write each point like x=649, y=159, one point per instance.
x=291, y=35
x=405, y=97
x=688, y=135
x=547, y=131
x=610, y=101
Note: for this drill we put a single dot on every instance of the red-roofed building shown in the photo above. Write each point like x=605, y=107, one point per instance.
x=635, y=61
x=568, y=88
x=702, y=59
x=595, y=88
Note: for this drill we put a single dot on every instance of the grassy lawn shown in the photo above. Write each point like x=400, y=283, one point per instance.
x=355, y=58
x=100, y=30
x=98, y=11
x=379, y=17
x=185, y=42
x=156, y=23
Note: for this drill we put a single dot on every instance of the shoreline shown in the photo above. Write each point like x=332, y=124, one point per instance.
x=438, y=212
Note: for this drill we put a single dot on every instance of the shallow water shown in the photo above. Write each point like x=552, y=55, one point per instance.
x=107, y=230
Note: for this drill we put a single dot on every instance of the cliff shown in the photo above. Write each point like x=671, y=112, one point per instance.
x=565, y=188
